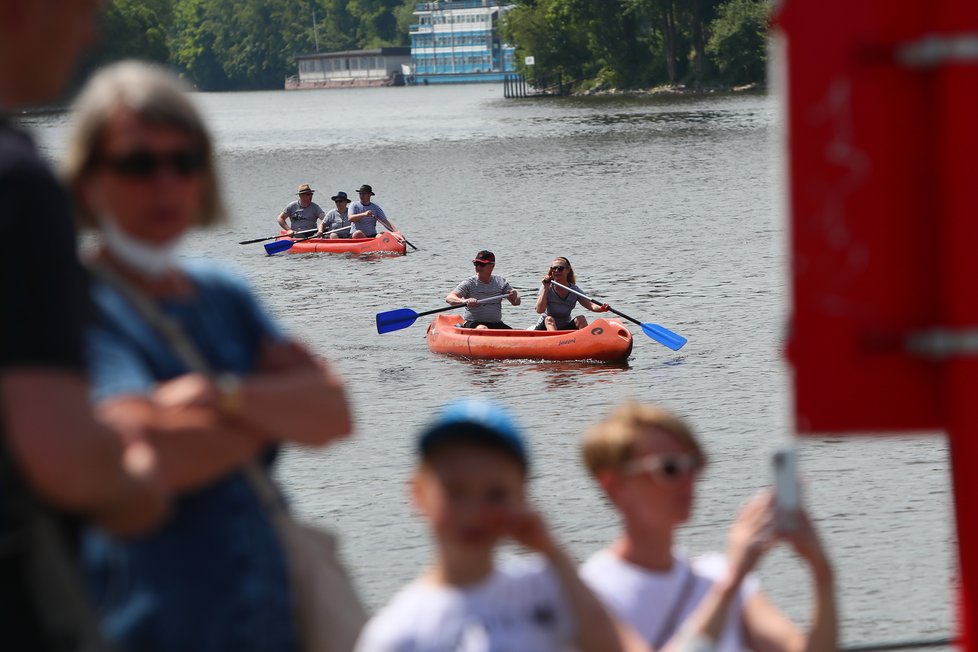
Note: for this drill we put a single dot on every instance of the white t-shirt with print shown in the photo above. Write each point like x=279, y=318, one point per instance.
x=520, y=607
x=647, y=600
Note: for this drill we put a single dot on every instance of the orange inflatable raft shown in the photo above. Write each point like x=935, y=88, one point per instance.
x=385, y=243
x=603, y=339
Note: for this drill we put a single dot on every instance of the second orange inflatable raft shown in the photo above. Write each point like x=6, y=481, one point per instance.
x=390, y=243
x=603, y=339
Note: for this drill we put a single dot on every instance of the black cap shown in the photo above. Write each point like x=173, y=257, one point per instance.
x=484, y=256
x=365, y=188
x=340, y=195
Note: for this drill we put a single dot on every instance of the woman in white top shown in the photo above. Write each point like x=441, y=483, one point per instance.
x=646, y=461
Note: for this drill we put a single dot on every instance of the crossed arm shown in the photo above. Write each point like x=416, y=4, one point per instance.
x=202, y=429
x=71, y=460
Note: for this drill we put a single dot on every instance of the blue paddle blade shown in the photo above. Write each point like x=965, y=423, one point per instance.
x=278, y=246
x=664, y=336
x=395, y=320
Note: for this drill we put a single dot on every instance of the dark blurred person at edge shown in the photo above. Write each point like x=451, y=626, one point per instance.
x=58, y=466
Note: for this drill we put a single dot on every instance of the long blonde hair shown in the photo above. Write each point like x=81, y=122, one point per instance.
x=157, y=97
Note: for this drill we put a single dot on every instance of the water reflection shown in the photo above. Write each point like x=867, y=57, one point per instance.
x=554, y=374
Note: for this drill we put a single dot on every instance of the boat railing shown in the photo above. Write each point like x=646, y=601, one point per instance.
x=460, y=4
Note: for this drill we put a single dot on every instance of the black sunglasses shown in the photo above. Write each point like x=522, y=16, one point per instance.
x=143, y=164
x=557, y=268
x=478, y=264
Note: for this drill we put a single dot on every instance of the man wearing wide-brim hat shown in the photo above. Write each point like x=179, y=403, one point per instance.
x=364, y=214
x=303, y=214
x=337, y=222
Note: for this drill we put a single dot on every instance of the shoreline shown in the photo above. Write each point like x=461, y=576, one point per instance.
x=671, y=89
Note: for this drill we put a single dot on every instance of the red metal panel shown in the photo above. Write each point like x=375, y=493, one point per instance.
x=956, y=99
x=862, y=183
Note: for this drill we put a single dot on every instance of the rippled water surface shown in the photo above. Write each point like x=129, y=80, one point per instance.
x=667, y=208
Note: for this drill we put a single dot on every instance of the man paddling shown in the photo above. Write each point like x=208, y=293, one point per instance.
x=365, y=214
x=303, y=214
x=483, y=285
x=338, y=218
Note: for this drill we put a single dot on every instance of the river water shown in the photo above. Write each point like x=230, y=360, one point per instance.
x=670, y=209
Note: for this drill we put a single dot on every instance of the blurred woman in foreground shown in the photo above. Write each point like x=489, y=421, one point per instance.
x=647, y=461
x=140, y=164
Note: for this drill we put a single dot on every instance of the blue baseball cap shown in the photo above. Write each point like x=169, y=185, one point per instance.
x=475, y=419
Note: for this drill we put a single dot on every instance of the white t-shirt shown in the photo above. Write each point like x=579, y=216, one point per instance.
x=519, y=608
x=647, y=600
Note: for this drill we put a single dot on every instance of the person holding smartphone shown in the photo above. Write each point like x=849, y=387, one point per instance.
x=647, y=461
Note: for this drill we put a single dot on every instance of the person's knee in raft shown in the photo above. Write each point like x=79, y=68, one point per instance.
x=647, y=461
x=554, y=304
x=483, y=285
x=470, y=488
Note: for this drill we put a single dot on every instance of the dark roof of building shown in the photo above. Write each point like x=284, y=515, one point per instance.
x=390, y=51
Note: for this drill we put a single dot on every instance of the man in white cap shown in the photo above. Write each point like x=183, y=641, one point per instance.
x=303, y=214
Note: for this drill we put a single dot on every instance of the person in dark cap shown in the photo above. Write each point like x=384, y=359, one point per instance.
x=303, y=214
x=470, y=486
x=338, y=220
x=365, y=214
x=483, y=285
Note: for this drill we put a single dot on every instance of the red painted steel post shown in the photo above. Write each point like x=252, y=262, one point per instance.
x=957, y=196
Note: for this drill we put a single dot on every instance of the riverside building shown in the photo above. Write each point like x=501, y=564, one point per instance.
x=457, y=41
x=351, y=68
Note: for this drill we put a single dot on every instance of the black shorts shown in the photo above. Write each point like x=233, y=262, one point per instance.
x=495, y=325
x=561, y=326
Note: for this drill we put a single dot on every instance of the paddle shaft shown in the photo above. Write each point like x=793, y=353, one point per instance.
x=660, y=334
x=389, y=228
x=584, y=296
x=478, y=302
x=344, y=228
x=273, y=237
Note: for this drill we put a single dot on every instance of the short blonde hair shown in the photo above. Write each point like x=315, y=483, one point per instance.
x=157, y=97
x=610, y=444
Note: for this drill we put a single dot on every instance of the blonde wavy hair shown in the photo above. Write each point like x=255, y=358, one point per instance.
x=610, y=444
x=570, y=270
x=158, y=98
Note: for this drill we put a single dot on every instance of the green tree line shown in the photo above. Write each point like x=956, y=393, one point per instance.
x=641, y=43
x=251, y=44
x=244, y=44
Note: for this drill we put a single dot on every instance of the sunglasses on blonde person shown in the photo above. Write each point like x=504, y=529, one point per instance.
x=668, y=467
x=145, y=164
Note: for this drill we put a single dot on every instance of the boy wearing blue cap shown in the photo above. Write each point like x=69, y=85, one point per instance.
x=470, y=487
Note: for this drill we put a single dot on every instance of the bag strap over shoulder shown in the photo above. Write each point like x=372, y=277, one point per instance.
x=671, y=623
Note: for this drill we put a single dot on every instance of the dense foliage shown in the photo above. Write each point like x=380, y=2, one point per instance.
x=251, y=44
x=640, y=43
x=245, y=44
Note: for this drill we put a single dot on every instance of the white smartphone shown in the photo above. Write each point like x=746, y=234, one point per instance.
x=787, y=492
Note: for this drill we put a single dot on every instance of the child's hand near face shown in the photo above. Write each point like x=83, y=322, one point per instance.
x=528, y=528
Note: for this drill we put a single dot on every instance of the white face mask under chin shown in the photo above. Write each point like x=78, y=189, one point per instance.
x=151, y=260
